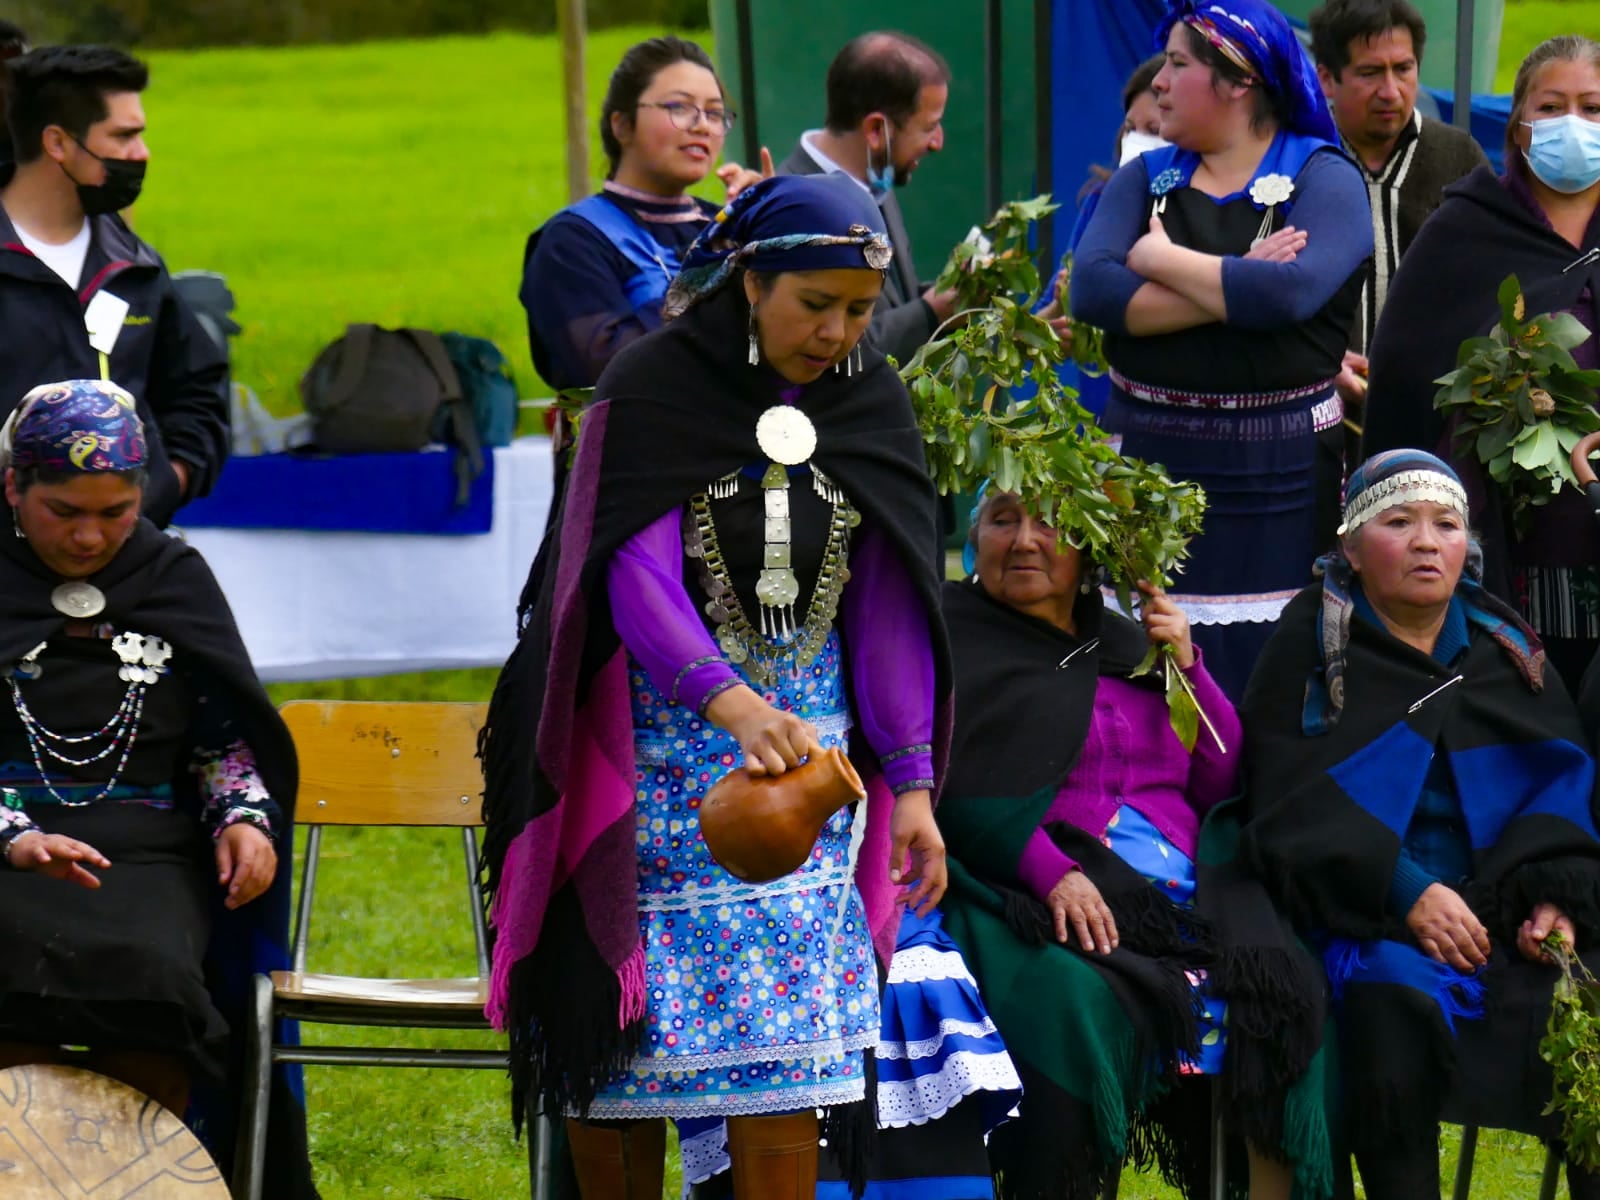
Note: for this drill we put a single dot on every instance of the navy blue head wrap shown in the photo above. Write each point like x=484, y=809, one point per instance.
x=786, y=223
x=1255, y=37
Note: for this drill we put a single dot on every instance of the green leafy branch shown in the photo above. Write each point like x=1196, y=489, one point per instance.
x=1571, y=1045
x=992, y=407
x=1519, y=401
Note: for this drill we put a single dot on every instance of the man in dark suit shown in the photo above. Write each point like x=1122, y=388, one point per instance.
x=886, y=99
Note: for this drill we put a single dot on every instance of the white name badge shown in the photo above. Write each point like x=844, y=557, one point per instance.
x=103, y=319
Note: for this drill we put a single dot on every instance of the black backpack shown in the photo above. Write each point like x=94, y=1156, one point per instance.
x=376, y=391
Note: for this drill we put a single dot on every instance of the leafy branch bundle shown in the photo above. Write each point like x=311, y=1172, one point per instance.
x=992, y=407
x=1519, y=401
x=1571, y=1045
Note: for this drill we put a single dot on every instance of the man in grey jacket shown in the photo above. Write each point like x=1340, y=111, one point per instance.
x=886, y=99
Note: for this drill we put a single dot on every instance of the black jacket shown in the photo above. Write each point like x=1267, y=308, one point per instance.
x=902, y=321
x=163, y=356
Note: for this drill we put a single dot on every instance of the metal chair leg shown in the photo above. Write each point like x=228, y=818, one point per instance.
x=1219, y=1145
x=1469, y=1151
x=250, y=1153
x=1552, y=1174
x=538, y=1131
x=1113, y=1181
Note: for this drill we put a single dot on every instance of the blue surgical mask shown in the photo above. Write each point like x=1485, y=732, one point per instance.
x=1564, y=153
x=882, y=182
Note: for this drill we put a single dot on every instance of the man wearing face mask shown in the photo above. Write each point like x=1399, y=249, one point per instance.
x=886, y=99
x=80, y=295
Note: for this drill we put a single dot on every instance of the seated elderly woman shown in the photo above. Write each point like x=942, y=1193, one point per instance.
x=1072, y=817
x=147, y=781
x=1421, y=806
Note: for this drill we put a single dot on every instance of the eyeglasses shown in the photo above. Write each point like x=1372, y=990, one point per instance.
x=686, y=116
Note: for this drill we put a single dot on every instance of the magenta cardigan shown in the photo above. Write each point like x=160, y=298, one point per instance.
x=1131, y=756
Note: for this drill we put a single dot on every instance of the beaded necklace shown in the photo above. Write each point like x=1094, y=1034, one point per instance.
x=144, y=663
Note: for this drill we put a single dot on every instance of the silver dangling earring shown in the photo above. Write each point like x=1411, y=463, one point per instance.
x=16, y=525
x=755, y=341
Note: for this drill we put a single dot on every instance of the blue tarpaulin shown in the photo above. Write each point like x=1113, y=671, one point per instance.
x=355, y=493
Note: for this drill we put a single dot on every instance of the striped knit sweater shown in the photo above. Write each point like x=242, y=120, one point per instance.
x=1428, y=156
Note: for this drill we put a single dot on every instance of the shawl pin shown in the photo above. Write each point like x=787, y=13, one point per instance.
x=1435, y=692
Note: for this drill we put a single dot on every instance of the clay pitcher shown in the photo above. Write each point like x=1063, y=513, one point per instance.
x=762, y=827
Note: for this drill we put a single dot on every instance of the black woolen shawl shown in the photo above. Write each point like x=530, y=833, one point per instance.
x=672, y=412
x=1329, y=860
x=1024, y=701
x=159, y=585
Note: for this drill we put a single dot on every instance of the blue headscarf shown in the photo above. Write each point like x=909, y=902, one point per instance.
x=1255, y=37
x=786, y=223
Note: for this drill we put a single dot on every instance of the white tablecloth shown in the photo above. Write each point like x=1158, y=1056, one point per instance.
x=334, y=605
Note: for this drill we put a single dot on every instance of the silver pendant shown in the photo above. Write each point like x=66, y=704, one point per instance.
x=78, y=599
x=786, y=435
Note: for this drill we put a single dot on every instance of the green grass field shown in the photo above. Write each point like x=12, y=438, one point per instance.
x=1529, y=22
x=396, y=183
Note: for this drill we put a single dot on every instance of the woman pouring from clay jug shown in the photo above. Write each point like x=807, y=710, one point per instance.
x=742, y=577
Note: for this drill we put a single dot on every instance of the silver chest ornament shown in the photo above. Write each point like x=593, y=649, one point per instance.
x=786, y=436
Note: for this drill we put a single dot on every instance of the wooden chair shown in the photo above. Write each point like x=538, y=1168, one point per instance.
x=70, y=1134
x=365, y=763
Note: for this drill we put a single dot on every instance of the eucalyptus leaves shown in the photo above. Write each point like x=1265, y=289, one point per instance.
x=1520, y=403
x=991, y=406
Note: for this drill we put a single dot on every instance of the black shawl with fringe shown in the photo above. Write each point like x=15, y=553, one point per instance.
x=1329, y=808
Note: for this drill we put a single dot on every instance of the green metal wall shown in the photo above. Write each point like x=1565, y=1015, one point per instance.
x=792, y=43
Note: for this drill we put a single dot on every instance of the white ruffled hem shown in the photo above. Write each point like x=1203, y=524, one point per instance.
x=927, y=1047
x=925, y=962
x=928, y=1097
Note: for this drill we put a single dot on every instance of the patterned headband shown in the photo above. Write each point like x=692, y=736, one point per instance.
x=1403, y=487
x=1224, y=45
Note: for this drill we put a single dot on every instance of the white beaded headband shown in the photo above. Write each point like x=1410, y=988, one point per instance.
x=1404, y=487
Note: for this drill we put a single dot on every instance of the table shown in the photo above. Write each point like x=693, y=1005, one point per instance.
x=318, y=605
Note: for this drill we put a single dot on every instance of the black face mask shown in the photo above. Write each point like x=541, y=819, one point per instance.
x=124, y=180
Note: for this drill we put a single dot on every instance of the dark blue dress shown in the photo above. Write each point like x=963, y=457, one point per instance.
x=1236, y=406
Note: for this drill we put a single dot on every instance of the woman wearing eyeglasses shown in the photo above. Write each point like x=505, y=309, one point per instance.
x=594, y=275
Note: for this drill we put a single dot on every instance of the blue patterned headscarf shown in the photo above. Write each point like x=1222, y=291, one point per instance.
x=1382, y=482
x=1255, y=37
x=786, y=223
x=85, y=425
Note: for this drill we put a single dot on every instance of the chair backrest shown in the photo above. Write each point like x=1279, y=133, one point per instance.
x=387, y=763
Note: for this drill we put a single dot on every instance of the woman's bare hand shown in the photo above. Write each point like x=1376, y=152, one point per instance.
x=1448, y=930
x=56, y=856
x=772, y=740
x=1284, y=246
x=1075, y=901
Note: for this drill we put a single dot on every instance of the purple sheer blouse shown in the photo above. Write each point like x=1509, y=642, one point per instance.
x=887, y=642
